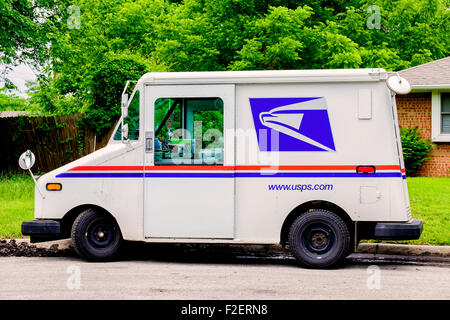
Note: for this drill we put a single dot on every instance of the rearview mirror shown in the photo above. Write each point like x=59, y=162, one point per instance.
x=125, y=105
x=398, y=84
x=125, y=131
x=26, y=160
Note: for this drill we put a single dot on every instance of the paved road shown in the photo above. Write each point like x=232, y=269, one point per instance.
x=247, y=278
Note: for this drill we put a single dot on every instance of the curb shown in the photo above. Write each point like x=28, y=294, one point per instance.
x=368, y=248
x=371, y=248
x=404, y=249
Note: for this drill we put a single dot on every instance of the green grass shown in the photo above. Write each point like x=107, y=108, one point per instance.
x=429, y=197
x=16, y=204
x=430, y=202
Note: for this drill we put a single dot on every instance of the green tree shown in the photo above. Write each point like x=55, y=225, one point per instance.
x=11, y=102
x=108, y=84
x=199, y=35
x=46, y=98
x=409, y=32
x=24, y=31
x=275, y=41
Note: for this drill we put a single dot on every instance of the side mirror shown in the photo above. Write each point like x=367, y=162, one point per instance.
x=26, y=160
x=398, y=84
x=125, y=105
x=125, y=131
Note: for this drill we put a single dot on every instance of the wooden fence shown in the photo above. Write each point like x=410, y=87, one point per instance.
x=54, y=140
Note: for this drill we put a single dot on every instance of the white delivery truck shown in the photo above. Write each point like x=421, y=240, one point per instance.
x=307, y=158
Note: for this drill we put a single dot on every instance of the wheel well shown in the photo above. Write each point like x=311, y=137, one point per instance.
x=310, y=205
x=69, y=218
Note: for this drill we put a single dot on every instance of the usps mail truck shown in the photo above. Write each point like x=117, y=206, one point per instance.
x=311, y=159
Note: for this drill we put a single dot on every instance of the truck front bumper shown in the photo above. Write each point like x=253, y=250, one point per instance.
x=399, y=231
x=42, y=230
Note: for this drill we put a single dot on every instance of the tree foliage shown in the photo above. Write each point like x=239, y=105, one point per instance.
x=108, y=84
x=200, y=35
x=25, y=26
x=11, y=102
x=47, y=98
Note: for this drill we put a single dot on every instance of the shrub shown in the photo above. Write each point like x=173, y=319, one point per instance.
x=108, y=83
x=415, y=149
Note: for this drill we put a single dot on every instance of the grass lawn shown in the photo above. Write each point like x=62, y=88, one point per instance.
x=16, y=204
x=430, y=202
x=429, y=197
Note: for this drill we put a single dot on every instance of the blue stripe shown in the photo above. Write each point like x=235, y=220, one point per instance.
x=227, y=175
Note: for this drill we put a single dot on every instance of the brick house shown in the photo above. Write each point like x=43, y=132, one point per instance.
x=428, y=107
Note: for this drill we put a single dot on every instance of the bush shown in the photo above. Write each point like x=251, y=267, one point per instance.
x=415, y=149
x=107, y=86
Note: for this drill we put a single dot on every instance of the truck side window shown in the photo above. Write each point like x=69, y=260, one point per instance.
x=132, y=120
x=189, y=131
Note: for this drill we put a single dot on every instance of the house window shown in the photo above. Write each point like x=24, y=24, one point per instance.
x=445, y=113
x=440, y=116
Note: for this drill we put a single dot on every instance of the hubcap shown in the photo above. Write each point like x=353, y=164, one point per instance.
x=100, y=233
x=318, y=238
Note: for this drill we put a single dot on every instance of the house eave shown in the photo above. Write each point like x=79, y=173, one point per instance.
x=429, y=87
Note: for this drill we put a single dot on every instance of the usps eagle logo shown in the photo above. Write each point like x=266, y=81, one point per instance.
x=292, y=124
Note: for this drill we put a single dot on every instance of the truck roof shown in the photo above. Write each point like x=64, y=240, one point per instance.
x=272, y=76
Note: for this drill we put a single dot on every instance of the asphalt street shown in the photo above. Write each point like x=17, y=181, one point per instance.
x=244, y=278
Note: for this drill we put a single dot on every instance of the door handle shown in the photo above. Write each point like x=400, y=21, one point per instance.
x=149, y=141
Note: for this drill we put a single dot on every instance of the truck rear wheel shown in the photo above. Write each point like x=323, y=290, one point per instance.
x=319, y=239
x=96, y=236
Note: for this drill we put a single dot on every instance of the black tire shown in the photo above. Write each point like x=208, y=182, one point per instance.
x=319, y=239
x=96, y=236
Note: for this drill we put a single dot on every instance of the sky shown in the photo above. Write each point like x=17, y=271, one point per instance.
x=19, y=75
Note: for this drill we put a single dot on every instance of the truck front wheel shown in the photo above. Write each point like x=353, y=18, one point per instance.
x=319, y=239
x=96, y=236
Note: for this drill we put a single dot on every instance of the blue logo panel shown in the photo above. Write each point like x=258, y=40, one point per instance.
x=292, y=124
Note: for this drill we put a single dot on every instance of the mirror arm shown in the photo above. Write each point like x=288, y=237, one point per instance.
x=26, y=161
x=36, y=184
x=124, y=132
x=121, y=130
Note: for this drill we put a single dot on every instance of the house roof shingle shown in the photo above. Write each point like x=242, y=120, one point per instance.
x=434, y=73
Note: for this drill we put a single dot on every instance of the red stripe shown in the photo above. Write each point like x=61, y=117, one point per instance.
x=387, y=167
x=225, y=168
x=335, y=167
x=108, y=168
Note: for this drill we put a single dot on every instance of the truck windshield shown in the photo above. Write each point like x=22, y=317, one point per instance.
x=132, y=119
